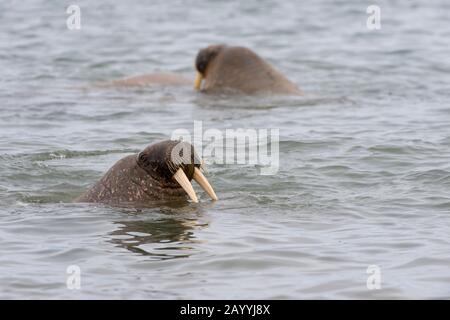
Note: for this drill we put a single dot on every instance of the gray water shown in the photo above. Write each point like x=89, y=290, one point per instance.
x=364, y=175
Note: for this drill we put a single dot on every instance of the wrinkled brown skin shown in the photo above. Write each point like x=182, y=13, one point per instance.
x=240, y=69
x=149, y=80
x=132, y=182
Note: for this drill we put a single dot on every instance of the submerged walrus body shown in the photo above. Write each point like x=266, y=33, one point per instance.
x=162, y=171
x=227, y=68
x=149, y=80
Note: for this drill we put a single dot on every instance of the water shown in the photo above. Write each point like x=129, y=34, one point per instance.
x=364, y=159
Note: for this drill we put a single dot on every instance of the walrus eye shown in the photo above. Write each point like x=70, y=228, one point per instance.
x=201, y=67
x=143, y=159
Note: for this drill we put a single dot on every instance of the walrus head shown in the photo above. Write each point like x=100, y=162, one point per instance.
x=175, y=162
x=238, y=68
x=204, y=59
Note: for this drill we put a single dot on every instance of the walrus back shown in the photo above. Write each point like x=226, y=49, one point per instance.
x=114, y=185
x=243, y=70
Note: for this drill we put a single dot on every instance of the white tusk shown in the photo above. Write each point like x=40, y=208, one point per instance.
x=203, y=182
x=198, y=81
x=181, y=178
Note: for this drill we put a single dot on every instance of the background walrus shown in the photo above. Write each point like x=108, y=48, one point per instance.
x=222, y=67
x=161, y=171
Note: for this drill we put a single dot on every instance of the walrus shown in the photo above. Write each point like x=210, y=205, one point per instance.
x=222, y=67
x=161, y=171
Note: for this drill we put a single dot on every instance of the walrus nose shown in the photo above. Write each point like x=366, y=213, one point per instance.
x=184, y=182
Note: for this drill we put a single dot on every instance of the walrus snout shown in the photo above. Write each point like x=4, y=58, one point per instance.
x=203, y=60
x=175, y=161
x=187, y=164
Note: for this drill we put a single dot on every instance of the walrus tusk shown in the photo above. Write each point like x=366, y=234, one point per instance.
x=203, y=182
x=198, y=81
x=181, y=178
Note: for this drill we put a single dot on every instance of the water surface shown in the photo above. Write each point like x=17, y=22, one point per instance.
x=364, y=174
